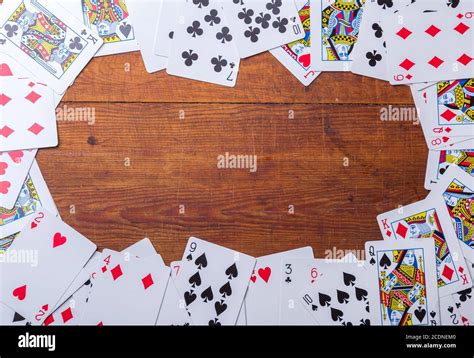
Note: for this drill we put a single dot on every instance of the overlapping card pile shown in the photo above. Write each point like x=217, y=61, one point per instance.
x=420, y=274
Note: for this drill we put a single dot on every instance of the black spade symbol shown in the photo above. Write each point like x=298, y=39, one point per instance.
x=201, y=261
x=342, y=297
x=336, y=314
x=226, y=290
x=324, y=299
x=385, y=261
x=349, y=279
x=207, y=294
x=195, y=280
x=361, y=294
x=220, y=307
x=232, y=271
x=189, y=298
x=420, y=313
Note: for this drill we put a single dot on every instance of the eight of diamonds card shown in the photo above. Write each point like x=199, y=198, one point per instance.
x=404, y=276
x=426, y=219
x=335, y=29
x=457, y=190
x=48, y=40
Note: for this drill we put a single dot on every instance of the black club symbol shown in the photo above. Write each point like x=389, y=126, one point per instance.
x=195, y=29
x=454, y=3
x=11, y=30
x=219, y=63
x=252, y=33
x=201, y=3
x=263, y=20
x=189, y=57
x=378, y=30
x=385, y=3
x=212, y=18
x=76, y=44
x=280, y=24
x=465, y=294
x=246, y=15
x=224, y=35
x=373, y=58
x=274, y=6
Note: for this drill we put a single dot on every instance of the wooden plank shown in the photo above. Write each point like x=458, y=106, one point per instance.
x=173, y=162
x=262, y=79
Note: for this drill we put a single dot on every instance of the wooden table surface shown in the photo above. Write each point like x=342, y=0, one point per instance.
x=322, y=150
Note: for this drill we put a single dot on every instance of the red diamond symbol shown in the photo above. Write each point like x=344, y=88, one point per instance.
x=465, y=59
x=67, y=314
x=461, y=28
x=404, y=33
x=116, y=272
x=408, y=77
x=402, y=230
x=31, y=84
x=6, y=131
x=448, y=130
x=388, y=233
x=104, y=268
x=460, y=16
x=4, y=99
x=147, y=281
x=407, y=64
x=432, y=31
x=48, y=320
x=448, y=115
x=461, y=269
x=448, y=272
x=436, y=62
x=36, y=129
x=33, y=97
x=100, y=324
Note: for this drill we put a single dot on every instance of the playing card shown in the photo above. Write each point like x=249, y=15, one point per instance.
x=404, y=276
x=262, y=301
x=213, y=281
x=429, y=46
x=428, y=219
x=456, y=188
x=370, y=51
x=446, y=114
x=259, y=26
x=47, y=39
x=144, y=15
x=14, y=167
x=439, y=161
x=449, y=313
x=27, y=115
x=335, y=30
x=296, y=56
x=139, y=282
x=60, y=253
x=204, y=44
x=110, y=20
x=34, y=194
x=464, y=301
x=168, y=18
x=340, y=296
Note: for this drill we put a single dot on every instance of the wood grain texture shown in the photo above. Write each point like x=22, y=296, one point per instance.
x=303, y=137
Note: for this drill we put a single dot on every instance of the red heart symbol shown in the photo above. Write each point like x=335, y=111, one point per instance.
x=253, y=279
x=34, y=225
x=20, y=292
x=4, y=187
x=16, y=156
x=265, y=273
x=58, y=240
x=45, y=308
x=3, y=168
x=305, y=60
x=445, y=139
x=5, y=70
